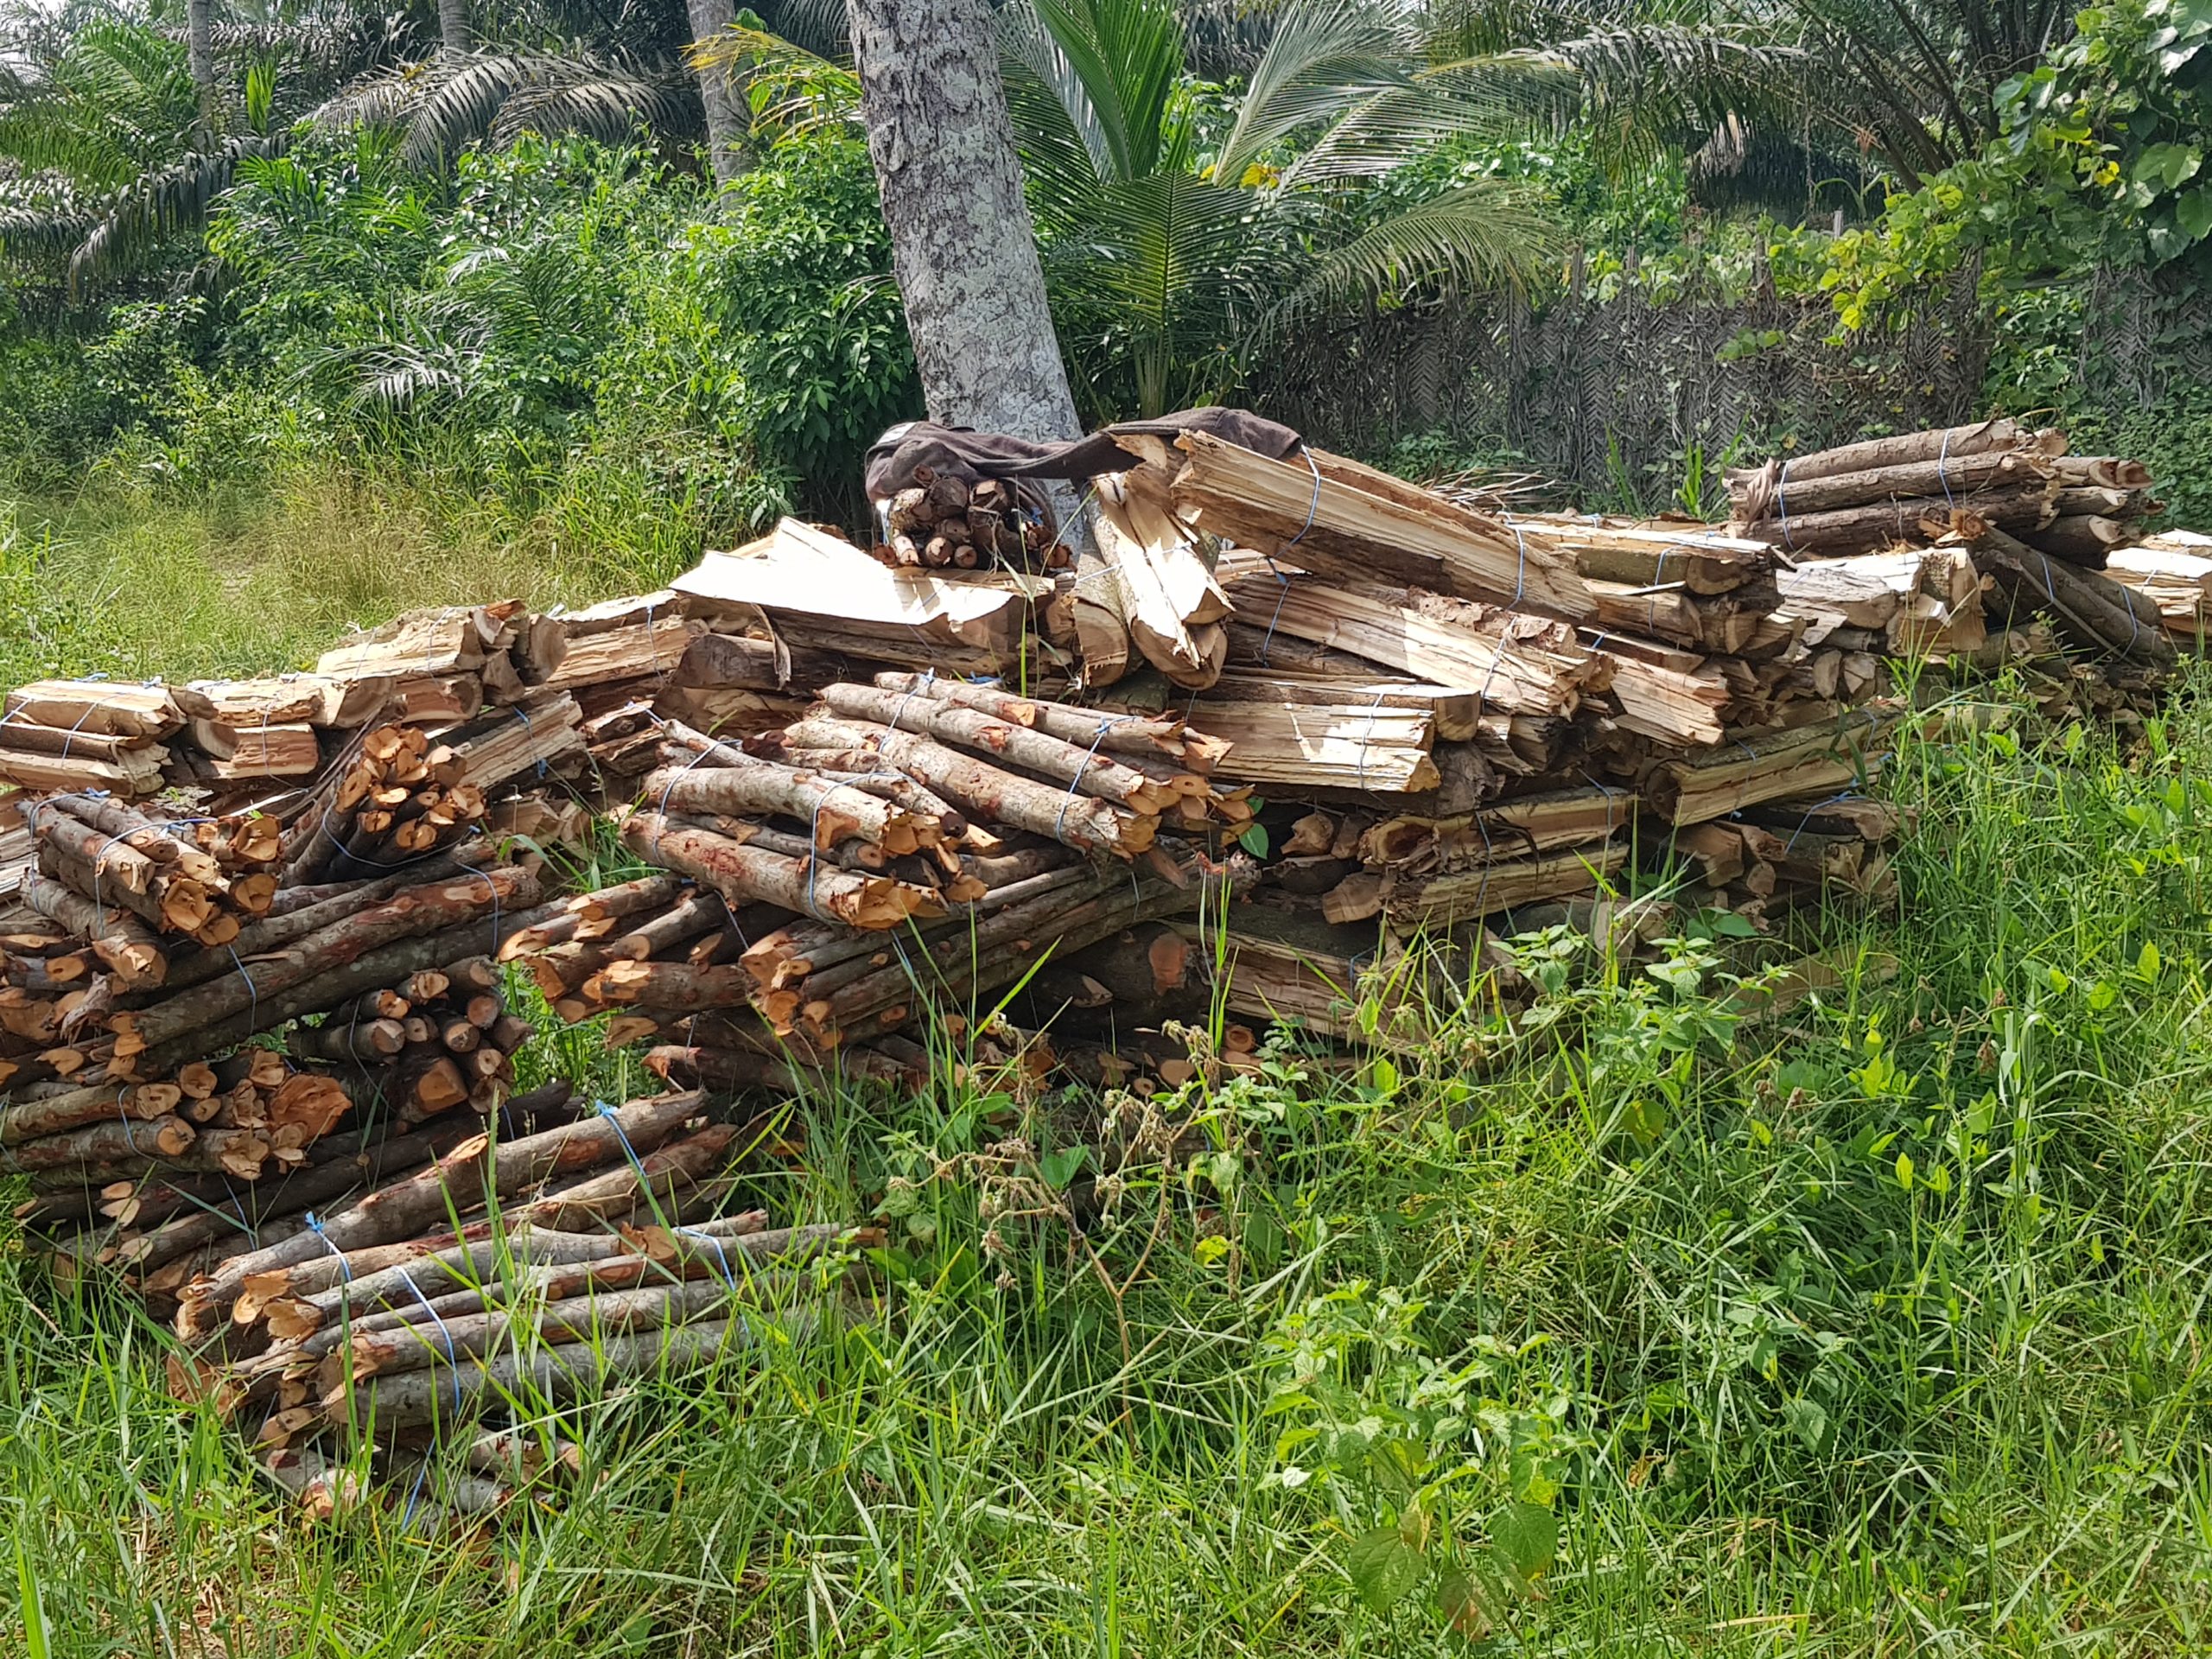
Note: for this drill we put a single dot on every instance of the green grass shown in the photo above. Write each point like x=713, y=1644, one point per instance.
x=264, y=579
x=1879, y=1330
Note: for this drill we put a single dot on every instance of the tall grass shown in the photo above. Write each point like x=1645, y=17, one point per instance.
x=264, y=577
x=1875, y=1329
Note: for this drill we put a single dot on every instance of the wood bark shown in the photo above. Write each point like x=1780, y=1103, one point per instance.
x=411, y=914
x=558, y=1375
x=1068, y=763
x=464, y=1177
x=1858, y=529
x=741, y=873
x=833, y=811
x=200, y=59
x=1005, y=797
x=961, y=243
x=1980, y=437
x=455, y=36
x=2091, y=610
x=2085, y=538
x=710, y=22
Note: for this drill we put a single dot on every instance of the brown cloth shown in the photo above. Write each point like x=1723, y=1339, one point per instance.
x=962, y=451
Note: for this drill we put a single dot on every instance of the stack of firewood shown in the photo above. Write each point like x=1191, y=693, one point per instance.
x=1914, y=486
x=941, y=521
x=913, y=842
x=406, y=1286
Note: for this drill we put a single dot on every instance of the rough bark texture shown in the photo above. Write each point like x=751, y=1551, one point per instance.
x=960, y=240
x=200, y=56
x=725, y=125
x=421, y=1201
x=454, y=34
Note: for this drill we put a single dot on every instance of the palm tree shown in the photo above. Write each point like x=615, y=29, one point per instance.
x=1175, y=251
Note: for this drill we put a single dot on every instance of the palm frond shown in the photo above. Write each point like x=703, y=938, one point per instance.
x=819, y=27
x=1327, y=58
x=171, y=201
x=1483, y=233
x=1115, y=65
x=610, y=102
x=1511, y=91
x=1157, y=283
x=42, y=219
x=448, y=104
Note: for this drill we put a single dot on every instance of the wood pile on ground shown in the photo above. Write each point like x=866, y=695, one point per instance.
x=572, y=1251
x=1291, y=737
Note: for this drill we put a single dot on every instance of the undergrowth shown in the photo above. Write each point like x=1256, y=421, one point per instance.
x=1875, y=1329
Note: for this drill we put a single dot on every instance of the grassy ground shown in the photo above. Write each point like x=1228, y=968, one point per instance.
x=265, y=579
x=1880, y=1331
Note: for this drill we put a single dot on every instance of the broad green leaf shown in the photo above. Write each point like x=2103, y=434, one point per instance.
x=1059, y=1167
x=1461, y=1604
x=2193, y=211
x=1809, y=1419
x=2146, y=963
x=1383, y=1569
x=1526, y=1535
x=1905, y=1171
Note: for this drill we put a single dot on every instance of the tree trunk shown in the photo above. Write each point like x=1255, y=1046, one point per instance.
x=960, y=240
x=200, y=56
x=725, y=121
x=453, y=36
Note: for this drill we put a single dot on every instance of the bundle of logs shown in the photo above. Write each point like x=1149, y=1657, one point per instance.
x=942, y=521
x=480, y=1286
x=1886, y=491
x=913, y=842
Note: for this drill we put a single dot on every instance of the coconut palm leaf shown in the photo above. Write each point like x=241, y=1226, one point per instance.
x=168, y=203
x=1165, y=278
x=1327, y=59
x=450, y=101
x=1483, y=233
x=1113, y=66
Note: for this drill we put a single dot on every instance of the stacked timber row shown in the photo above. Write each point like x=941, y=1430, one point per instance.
x=1886, y=491
x=196, y=1010
x=461, y=1286
x=912, y=842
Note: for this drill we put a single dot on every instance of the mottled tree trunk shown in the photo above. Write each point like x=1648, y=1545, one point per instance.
x=960, y=240
x=454, y=34
x=725, y=122
x=199, y=58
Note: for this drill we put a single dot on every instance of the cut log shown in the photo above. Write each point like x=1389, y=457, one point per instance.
x=1862, y=529
x=2090, y=609
x=833, y=811
x=410, y=914
x=1063, y=762
x=1980, y=437
x=474, y=1170
x=1111, y=732
x=742, y=873
x=1000, y=797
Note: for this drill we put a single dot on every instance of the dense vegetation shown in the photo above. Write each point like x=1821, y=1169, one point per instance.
x=350, y=270
x=1629, y=1329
